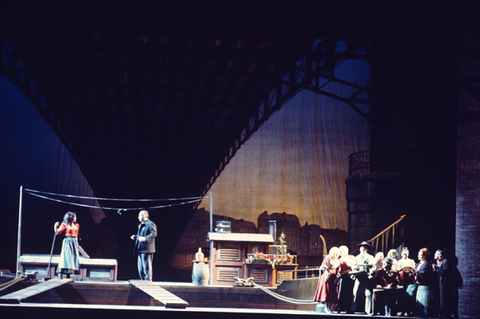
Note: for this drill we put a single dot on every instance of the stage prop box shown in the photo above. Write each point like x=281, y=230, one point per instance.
x=238, y=255
x=91, y=269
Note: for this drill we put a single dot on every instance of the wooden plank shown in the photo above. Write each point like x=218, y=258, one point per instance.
x=164, y=296
x=19, y=295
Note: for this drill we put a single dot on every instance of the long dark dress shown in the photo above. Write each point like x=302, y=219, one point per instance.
x=448, y=288
x=345, y=286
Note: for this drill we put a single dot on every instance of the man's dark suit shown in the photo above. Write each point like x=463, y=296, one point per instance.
x=146, y=249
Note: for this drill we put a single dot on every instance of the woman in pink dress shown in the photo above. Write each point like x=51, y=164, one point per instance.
x=327, y=292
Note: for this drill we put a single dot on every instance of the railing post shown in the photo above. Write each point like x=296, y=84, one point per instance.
x=19, y=235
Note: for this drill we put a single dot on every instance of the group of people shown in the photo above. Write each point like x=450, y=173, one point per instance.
x=144, y=245
x=388, y=285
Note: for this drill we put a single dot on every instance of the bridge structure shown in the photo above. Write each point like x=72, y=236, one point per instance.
x=151, y=104
x=158, y=98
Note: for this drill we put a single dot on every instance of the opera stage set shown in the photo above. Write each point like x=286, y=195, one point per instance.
x=95, y=291
x=345, y=116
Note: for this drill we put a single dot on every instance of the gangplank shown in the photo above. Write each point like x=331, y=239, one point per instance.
x=18, y=296
x=164, y=296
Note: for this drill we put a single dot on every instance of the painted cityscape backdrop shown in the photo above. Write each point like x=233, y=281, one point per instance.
x=303, y=241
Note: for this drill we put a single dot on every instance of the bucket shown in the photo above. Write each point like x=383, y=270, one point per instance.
x=200, y=273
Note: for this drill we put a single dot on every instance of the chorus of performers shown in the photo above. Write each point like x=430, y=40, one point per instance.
x=389, y=286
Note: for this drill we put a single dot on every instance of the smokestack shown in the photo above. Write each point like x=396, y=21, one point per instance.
x=272, y=229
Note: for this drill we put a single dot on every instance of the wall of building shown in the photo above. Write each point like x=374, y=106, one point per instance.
x=468, y=169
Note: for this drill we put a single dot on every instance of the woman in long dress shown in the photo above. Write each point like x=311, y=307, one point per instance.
x=345, y=285
x=327, y=292
x=445, y=266
x=69, y=257
x=406, y=266
x=419, y=299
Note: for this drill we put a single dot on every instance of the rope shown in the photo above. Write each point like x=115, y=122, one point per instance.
x=112, y=199
x=118, y=209
x=11, y=283
x=286, y=299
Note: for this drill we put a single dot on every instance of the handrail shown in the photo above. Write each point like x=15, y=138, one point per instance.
x=396, y=222
x=314, y=270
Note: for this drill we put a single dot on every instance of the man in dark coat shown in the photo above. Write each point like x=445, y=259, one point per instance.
x=145, y=245
x=385, y=282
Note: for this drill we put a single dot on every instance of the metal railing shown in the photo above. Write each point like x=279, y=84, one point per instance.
x=305, y=272
x=359, y=162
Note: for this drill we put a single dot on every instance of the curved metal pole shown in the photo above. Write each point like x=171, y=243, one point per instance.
x=325, y=252
x=19, y=235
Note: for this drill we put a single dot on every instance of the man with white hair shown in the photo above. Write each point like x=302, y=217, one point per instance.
x=145, y=245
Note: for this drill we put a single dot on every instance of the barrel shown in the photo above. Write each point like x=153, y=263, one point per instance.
x=200, y=273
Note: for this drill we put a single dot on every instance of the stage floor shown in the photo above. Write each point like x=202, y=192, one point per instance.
x=75, y=311
x=120, y=299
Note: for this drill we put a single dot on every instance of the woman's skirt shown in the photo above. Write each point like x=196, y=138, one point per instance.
x=326, y=289
x=69, y=258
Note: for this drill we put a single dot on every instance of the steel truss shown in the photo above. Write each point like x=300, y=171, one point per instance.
x=313, y=71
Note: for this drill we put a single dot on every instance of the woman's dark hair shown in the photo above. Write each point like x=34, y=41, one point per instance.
x=68, y=218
